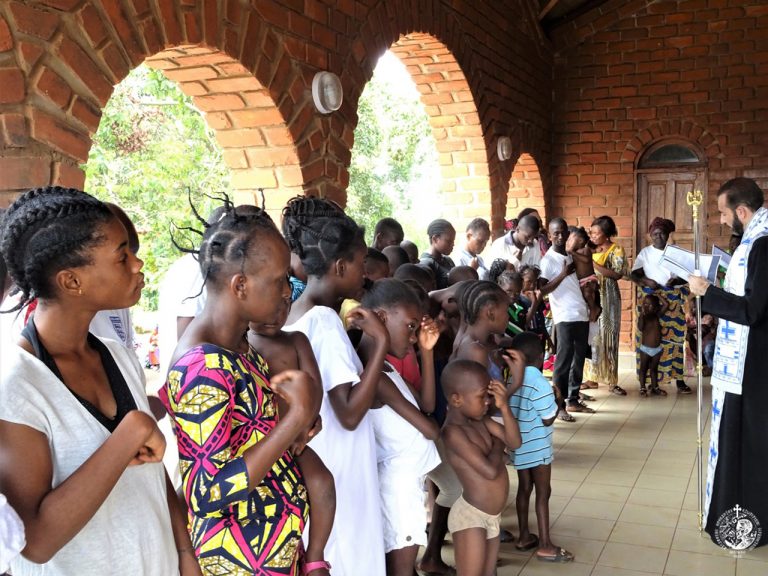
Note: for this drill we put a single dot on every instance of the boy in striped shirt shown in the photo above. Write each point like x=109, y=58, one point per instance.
x=535, y=408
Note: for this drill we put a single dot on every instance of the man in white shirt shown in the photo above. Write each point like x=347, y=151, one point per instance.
x=571, y=316
x=478, y=234
x=519, y=246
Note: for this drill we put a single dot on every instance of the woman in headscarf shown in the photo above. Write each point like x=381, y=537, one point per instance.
x=653, y=278
x=610, y=267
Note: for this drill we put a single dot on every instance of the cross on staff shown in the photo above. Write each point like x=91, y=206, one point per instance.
x=694, y=198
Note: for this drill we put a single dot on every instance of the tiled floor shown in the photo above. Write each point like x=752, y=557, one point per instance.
x=624, y=494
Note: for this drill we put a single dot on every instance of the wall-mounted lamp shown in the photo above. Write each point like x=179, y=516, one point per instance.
x=326, y=92
x=504, y=148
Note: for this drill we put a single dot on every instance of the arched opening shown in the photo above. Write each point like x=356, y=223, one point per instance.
x=257, y=146
x=525, y=188
x=455, y=123
x=236, y=135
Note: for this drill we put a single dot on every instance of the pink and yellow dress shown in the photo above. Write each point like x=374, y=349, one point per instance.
x=221, y=405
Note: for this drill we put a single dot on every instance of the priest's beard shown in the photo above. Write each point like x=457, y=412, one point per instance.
x=738, y=226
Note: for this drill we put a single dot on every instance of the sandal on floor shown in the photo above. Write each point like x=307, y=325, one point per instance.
x=562, y=555
x=534, y=543
x=586, y=397
x=579, y=406
x=564, y=416
x=505, y=536
x=310, y=567
x=643, y=391
x=656, y=391
x=683, y=388
x=618, y=390
x=588, y=385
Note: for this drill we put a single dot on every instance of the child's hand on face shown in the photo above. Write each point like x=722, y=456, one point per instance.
x=516, y=363
x=429, y=333
x=371, y=325
x=500, y=393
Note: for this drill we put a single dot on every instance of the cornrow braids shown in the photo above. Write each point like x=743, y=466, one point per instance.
x=230, y=239
x=319, y=232
x=497, y=267
x=45, y=231
x=476, y=296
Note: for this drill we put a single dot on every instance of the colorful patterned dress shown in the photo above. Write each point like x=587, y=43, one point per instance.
x=221, y=405
x=604, y=366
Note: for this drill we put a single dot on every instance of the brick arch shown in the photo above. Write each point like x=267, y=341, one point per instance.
x=62, y=59
x=685, y=129
x=526, y=189
x=441, y=63
x=455, y=124
x=257, y=145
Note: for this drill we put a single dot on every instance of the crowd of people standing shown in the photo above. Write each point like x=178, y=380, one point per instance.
x=311, y=382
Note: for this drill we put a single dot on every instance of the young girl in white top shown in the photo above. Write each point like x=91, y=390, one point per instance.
x=332, y=250
x=81, y=454
x=405, y=447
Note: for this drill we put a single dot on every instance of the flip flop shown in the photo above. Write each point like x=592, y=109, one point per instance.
x=534, y=543
x=562, y=555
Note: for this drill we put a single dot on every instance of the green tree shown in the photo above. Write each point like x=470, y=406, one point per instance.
x=152, y=151
x=393, y=148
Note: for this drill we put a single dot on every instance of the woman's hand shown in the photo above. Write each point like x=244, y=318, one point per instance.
x=153, y=447
x=301, y=393
x=429, y=333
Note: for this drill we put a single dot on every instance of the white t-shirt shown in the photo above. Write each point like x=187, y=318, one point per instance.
x=181, y=295
x=399, y=445
x=649, y=259
x=505, y=248
x=115, y=325
x=463, y=258
x=566, y=301
x=130, y=534
x=357, y=542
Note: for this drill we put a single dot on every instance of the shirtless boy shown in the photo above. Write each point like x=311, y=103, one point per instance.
x=475, y=445
x=578, y=247
x=650, y=348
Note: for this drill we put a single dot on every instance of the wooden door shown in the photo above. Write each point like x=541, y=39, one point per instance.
x=663, y=193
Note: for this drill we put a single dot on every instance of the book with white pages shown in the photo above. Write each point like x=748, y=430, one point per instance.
x=682, y=263
x=725, y=258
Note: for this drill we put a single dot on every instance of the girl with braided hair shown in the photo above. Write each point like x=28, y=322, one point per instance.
x=81, y=452
x=332, y=250
x=245, y=492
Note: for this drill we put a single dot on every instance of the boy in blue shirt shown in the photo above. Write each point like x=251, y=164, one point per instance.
x=535, y=408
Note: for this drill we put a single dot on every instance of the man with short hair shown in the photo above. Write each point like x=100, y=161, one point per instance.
x=518, y=246
x=571, y=317
x=478, y=234
x=388, y=232
x=737, y=479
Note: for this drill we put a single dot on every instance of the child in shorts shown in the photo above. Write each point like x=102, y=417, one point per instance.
x=475, y=448
x=649, y=324
x=535, y=408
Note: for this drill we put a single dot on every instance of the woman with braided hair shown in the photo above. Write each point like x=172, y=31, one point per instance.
x=332, y=250
x=81, y=453
x=241, y=481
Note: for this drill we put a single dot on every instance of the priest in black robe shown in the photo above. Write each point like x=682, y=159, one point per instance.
x=736, y=495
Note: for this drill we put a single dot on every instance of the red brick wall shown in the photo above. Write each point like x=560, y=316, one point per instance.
x=632, y=73
x=484, y=70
